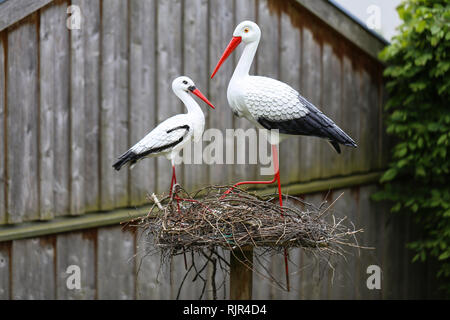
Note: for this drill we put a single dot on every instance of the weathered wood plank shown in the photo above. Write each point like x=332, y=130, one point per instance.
x=221, y=29
x=244, y=10
x=291, y=154
x=374, y=122
x=3, y=210
x=190, y=290
x=390, y=270
x=169, y=66
x=331, y=162
x=310, y=264
x=223, y=278
x=366, y=150
x=142, y=93
x=152, y=277
x=371, y=220
x=294, y=273
x=47, y=111
x=22, y=149
x=343, y=280
x=195, y=55
x=84, y=109
x=261, y=282
x=114, y=104
x=5, y=272
x=311, y=89
x=91, y=49
x=350, y=112
x=54, y=126
x=33, y=265
x=115, y=264
x=76, y=249
x=384, y=142
x=13, y=11
x=394, y=278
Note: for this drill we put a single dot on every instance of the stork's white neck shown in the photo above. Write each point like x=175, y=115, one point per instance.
x=245, y=62
x=191, y=105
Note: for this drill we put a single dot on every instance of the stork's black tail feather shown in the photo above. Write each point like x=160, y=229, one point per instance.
x=128, y=156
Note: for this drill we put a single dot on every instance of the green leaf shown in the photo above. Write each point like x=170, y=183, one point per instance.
x=445, y=255
x=420, y=171
x=433, y=126
x=442, y=139
x=421, y=26
x=417, y=86
x=389, y=175
x=422, y=60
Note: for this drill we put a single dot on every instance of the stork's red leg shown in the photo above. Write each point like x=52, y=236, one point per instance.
x=172, y=183
x=174, y=180
x=276, y=178
x=286, y=253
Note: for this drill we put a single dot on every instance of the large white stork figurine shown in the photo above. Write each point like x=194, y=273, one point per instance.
x=272, y=104
x=169, y=137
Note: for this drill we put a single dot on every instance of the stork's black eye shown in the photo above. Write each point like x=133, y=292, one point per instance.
x=184, y=82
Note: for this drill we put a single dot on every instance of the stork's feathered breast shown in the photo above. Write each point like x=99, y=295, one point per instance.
x=273, y=100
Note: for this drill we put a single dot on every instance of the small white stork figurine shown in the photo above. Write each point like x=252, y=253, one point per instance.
x=169, y=137
x=272, y=104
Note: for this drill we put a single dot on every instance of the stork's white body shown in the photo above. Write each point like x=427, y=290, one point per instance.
x=190, y=127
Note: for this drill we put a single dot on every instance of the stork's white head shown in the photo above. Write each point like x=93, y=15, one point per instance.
x=248, y=31
x=185, y=85
x=182, y=83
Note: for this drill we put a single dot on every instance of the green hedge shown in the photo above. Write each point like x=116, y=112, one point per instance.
x=418, y=119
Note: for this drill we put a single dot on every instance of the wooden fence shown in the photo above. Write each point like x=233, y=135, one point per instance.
x=71, y=101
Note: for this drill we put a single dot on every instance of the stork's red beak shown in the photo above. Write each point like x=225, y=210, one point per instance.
x=197, y=92
x=235, y=41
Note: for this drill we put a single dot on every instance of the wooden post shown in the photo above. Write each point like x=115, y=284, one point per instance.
x=241, y=274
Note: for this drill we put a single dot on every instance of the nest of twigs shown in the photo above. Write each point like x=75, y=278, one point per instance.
x=242, y=218
x=209, y=225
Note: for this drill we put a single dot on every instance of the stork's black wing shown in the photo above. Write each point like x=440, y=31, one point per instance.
x=312, y=123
